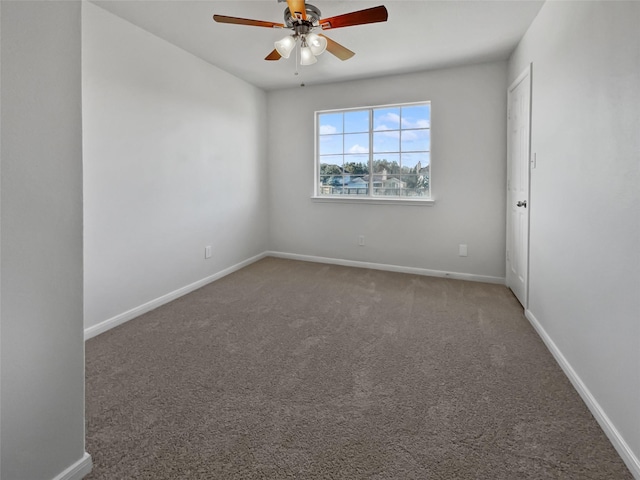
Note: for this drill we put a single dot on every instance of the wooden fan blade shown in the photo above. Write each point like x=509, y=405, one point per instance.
x=273, y=56
x=361, y=17
x=297, y=7
x=343, y=53
x=246, y=21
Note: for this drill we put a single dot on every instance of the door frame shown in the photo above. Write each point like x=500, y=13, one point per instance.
x=525, y=75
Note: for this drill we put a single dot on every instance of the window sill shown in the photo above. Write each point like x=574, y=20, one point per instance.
x=427, y=202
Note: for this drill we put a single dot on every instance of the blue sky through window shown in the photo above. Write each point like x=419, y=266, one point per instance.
x=356, y=122
x=356, y=143
x=386, y=119
x=330, y=123
x=415, y=140
x=331, y=144
x=416, y=116
x=386, y=141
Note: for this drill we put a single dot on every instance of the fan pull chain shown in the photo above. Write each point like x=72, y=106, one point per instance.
x=298, y=47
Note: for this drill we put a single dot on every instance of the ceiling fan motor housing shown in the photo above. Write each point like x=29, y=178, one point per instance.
x=294, y=20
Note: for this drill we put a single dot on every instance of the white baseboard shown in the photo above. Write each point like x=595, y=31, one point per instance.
x=121, y=318
x=78, y=470
x=618, y=442
x=147, y=307
x=389, y=268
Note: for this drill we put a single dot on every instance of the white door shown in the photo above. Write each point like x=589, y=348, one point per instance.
x=518, y=156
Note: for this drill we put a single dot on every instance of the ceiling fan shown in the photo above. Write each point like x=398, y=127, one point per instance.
x=303, y=18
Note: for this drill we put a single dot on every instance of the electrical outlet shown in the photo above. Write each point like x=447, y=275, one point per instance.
x=462, y=250
x=207, y=251
x=361, y=240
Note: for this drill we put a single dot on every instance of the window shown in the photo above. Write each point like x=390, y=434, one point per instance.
x=380, y=152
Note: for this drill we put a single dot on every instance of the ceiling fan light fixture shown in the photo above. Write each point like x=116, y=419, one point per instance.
x=316, y=43
x=285, y=46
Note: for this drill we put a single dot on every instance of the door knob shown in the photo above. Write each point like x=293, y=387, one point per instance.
x=522, y=203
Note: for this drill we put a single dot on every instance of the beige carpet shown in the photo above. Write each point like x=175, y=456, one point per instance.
x=299, y=370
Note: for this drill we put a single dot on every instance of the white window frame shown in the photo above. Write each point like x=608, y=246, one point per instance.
x=368, y=199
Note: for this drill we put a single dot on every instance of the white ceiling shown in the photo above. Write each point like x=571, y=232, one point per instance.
x=419, y=35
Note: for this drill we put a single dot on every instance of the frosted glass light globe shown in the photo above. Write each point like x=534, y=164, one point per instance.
x=316, y=43
x=306, y=56
x=285, y=46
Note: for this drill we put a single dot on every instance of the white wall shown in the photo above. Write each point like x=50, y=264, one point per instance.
x=468, y=175
x=0, y=238
x=41, y=256
x=175, y=159
x=585, y=198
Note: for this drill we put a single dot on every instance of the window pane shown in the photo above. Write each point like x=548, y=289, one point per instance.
x=331, y=165
x=415, y=185
x=331, y=179
x=416, y=116
x=386, y=162
x=414, y=192
x=356, y=185
x=330, y=144
x=344, y=190
x=415, y=162
x=329, y=123
x=416, y=140
x=330, y=184
x=386, y=192
x=387, y=184
x=409, y=181
x=386, y=141
x=356, y=122
x=356, y=143
x=356, y=164
x=386, y=118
